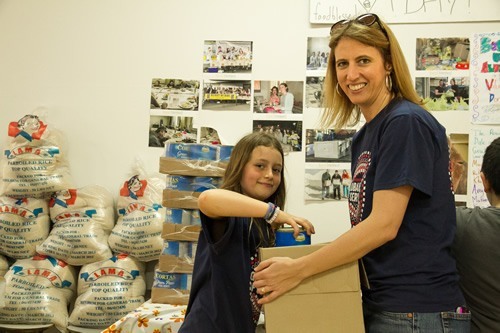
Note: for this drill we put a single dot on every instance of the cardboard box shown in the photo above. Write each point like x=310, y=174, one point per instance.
x=169, y=296
x=173, y=264
x=180, y=232
x=171, y=288
x=197, y=168
x=327, y=302
x=180, y=199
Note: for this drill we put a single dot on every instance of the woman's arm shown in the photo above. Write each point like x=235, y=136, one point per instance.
x=279, y=275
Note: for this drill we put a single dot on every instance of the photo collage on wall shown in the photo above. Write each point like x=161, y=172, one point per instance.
x=327, y=152
x=227, y=86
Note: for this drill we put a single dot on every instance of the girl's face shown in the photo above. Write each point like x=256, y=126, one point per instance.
x=361, y=73
x=262, y=174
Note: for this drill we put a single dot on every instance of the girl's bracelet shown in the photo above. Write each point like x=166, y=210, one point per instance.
x=270, y=210
x=275, y=215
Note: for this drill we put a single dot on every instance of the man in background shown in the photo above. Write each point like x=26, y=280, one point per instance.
x=325, y=185
x=477, y=250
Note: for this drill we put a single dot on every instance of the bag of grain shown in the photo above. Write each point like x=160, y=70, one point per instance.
x=107, y=291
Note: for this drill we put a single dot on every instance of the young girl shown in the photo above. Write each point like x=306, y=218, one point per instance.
x=237, y=220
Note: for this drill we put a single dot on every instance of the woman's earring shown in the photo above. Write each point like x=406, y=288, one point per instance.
x=388, y=82
x=337, y=88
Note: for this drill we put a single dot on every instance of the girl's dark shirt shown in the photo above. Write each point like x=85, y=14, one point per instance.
x=222, y=297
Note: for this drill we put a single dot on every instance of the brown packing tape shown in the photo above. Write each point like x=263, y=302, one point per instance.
x=169, y=296
x=174, y=264
x=180, y=199
x=180, y=232
x=201, y=168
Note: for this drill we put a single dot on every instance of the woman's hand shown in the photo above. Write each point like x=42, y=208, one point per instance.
x=275, y=276
x=294, y=222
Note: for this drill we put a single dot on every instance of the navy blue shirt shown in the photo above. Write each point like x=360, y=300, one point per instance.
x=405, y=145
x=222, y=297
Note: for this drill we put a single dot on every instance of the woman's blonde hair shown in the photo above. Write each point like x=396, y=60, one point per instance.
x=339, y=110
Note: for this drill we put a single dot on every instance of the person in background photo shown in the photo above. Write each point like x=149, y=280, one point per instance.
x=477, y=250
x=325, y=184
x=286, y=99
x=237, y=220
x=346, y=182
x=401, y=203
x=157, y=137
x=440, y=89
x=336, y=182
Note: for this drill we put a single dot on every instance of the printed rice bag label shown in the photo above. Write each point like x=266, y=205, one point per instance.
x=140, y=221
x=34, y=164
x=38, y=291
x=24, y=224
x=108, y=290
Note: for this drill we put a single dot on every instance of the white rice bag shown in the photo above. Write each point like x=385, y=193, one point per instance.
x=4, y=265
x=107, y=291
x=24, y=224
x=38, y=291
x=34, y=164
x=83, y=219
x=140, y=218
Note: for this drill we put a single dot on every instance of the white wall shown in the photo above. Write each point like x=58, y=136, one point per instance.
x=90, y=64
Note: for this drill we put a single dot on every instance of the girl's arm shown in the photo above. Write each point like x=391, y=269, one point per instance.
x=218, y=203
x=279, y=275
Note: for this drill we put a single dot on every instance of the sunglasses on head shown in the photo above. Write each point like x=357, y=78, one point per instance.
x=365, y=19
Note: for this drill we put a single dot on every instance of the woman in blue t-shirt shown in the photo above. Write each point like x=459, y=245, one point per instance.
x=401, y=202
x=236, y=221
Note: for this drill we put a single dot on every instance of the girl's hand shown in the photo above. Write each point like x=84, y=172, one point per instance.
x=294, y=222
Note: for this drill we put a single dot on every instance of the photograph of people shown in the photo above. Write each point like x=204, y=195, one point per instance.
x=223, y=56
x=319, y=183
x=289, y=133
x=284, y=97
x=399, y=156
x=317, y=53
x=226, y=95
x=174, y=94
x=444, y=93
x=164, y=129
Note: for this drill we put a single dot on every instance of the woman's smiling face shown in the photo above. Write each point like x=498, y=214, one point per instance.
x=361, y=73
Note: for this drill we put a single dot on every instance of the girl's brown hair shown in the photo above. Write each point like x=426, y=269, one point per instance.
x=240, y=156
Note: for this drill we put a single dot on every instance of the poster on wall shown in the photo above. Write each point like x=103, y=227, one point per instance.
x=330, y=11
x=318, y=52
x=481, y=138
x=226, y=95
x=289, y=133
x=278, y=97
x=314, y=91
x=174, y=94
x=327, y=182
x=163, y=129
x=328, y=164
x=485, y=78
x=328, y=145
x=227, y=57
x=442, y=77
x=444, y=93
